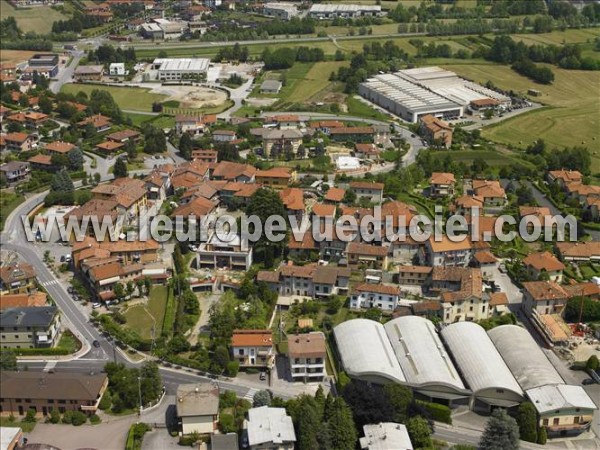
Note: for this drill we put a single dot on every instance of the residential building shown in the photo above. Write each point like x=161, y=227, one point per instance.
x=579, y=251
x=109, y=147
x=325, y=126
x=375, y=257
x=490, y=190
x=276, y=178
x=544, y=297
x=205, y=156
x=270, y=429
x=195, y=125
x=278, y=142
x=14, y=171
x=173, y=69
x=486, y=261
x=307, y=354
x=198, y=407
x=101, y=123
x=352, y=134
x=34, y=120
x=461, y=292
x=413, y=275
x=466, y=205
x=30, y=327
x=562, y=409
x=293, y=201
x=441, y=184
x=42, y=162
x=446, y=252
x=89, y=73
x=544, y=265
x=385, y=436
x=366, y=151
x=218, y=254
x=372, y=192
x=231, y=171
x=224, y=135
x=128, y=193
x=117, y=70
x=17, y=278
x=34, y=299
x=270, y=87
x=45, y=392
x=18, y=142
x=564, y=177
x=435, y=131
x=227, y=441
x=368, y=295
x=334, y=195
x=123, y=136
x=253, y=348
x=59, y=148
x=309, y=280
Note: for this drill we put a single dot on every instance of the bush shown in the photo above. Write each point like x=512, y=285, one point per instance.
x=54, y=416
x=232, y=368
x=437, y=412
x=67, y=417
x=30, y=416
x=95, y=419
x=105, y=401
x=78, y=418
x=542, y=436
x=227, y=423
x=592, y=363
x=227, y=399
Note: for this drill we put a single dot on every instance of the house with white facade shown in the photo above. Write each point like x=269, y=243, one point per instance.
x=253, y=348
x=379, y=296
x=307, y=354
x=197, y=407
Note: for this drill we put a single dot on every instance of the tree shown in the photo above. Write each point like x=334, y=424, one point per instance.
x=264, y=204
x=75, y=158
x=369, y=403
x=119, y=291
x=419, y=431
x=8, y=359
x=227, y=423
x=349, y=197
x=185, y=146
x=400, y=397
x=120, y=168
x=501, y=432
x=45, y=104
x=307, y=423
x=341, y=426
x=54, y=416
x=527, y=420
x=232, y=369
x=61, y=182
x=178, y=261
x=542, y=436
x=261, y=398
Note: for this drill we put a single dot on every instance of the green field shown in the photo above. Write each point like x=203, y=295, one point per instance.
x=315, y=80
x=38, y=18
x=571, y=118
x=8, y=202
x=130, y=98
x=141, y=318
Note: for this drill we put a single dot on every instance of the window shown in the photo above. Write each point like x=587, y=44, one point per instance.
x=62, y=402
x=545, y=422
x=27, y=400
x=241, y=351
x=556, y=421
x=296, y=360
x=471, y=308
x=576, y=419
x=18, y=400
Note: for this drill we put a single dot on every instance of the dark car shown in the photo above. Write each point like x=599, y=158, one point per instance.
x=588, y=381
x=96, y=344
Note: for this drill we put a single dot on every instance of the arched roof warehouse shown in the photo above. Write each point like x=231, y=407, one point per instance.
x=525, y=359
x=423, y=358
x=480, y=364
x=366, y=352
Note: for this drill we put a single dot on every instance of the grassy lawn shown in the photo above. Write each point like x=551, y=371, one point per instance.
x=8, y=202
x=315, y=80
x=141, y=318
x=204, y=110
x=358, y=108
x=571, y=117
x=69, y=342
x=131, y=98
x=26, y=427
x=38, y=19
x=161, y=121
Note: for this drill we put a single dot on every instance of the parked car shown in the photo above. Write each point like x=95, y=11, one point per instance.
x=96, y=305
x=588, y=381
x=96, y=343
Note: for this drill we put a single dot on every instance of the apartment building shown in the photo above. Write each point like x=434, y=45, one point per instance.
x=373, y=256
x=413, y=275
x=544, y=297
x=276, y=178
x=380, y=296
x=307, y=354
x=544, y=264
x=372, y=192
x=435, y=131
x=446, y=252
x=17, y=278
x=29, y=327
x=14, y=171
x=44, y=392
x=308, y=281
x=253, y=348
x=218, y=254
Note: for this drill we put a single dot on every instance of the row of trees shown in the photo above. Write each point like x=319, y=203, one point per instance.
x=536, y=73
x=106, y=54
x=284, y=58
x=125, y=385
x=235, y=53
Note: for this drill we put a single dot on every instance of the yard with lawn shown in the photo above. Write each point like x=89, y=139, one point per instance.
x=128, y=98
x=570, y=118
x=38, y=19
x=8, y=202
x=142, y=317
x=160, y=121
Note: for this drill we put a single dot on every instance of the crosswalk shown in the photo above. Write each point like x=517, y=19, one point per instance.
x=49, y=366
x=250, y=394
x=50, y=283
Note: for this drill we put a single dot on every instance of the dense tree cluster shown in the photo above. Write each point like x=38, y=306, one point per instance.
x=588, y=309
x=154, y=140
x=106, y=54
x=76, y=24
x=284, y=58
x=124, y=388
x=232, y=31
x=536, y=73
x=235, y=53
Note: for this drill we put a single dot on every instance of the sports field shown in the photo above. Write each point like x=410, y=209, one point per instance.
x=129, y=98
x=37, y=18
x=572, y=116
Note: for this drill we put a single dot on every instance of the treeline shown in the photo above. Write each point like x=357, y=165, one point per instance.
x=76, y=24
x=505, y=50
x=473, y=26
x=532, y=71
x=433, y=50
x=235, y=53
x=374, y=57
x=106, y=54
x=284, y=58
x=230, y=31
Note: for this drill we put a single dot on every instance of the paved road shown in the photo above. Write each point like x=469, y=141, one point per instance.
x=237, y=95
x=66, y=74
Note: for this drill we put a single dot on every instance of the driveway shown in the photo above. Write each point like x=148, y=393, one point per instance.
x=512, y=291
x=105, y=436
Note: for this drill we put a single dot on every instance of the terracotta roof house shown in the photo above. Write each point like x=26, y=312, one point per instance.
x=33, y=299
x=371, y=295
x=373, y=192
x=59, y=147
x=465, y=204
x=441, y=184
x=544, y=297
x=579, y=251
x=123, y=136
x=435, y=130
x=490, y=190
x=446, y=252
x=276, y=178
x=366, y=254
x=544, y=264
x=253, y=348
x=101, y=123
x=307, y=354
x=109, y=146
x=334, y=195
x=564, y=177
x=18, y=142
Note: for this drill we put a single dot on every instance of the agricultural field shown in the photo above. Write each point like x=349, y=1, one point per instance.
x=559, y=37
x=128, y=98
x=141, y=318
x=315, y=81
x=15, y=56
x=38, y=19
x=572, y=115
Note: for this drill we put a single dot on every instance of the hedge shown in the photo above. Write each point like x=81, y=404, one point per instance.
x=41, y=351
x=439, y=413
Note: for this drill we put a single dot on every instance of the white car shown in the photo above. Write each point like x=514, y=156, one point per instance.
x=96, y=305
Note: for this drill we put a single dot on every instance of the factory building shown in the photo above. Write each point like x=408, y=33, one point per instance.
x=330, y=11
x=174, y=69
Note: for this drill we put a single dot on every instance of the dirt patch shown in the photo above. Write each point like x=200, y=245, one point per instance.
x=192, y=96
x=15, y=56
x=254, y=101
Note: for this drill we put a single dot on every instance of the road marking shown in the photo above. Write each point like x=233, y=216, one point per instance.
x=50, y=283
x=250, y=394
x=49, y=366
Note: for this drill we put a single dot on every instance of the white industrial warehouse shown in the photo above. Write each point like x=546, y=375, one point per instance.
x=413, y=93
x=346, y=11
x=500, y=368
x=173, y=69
